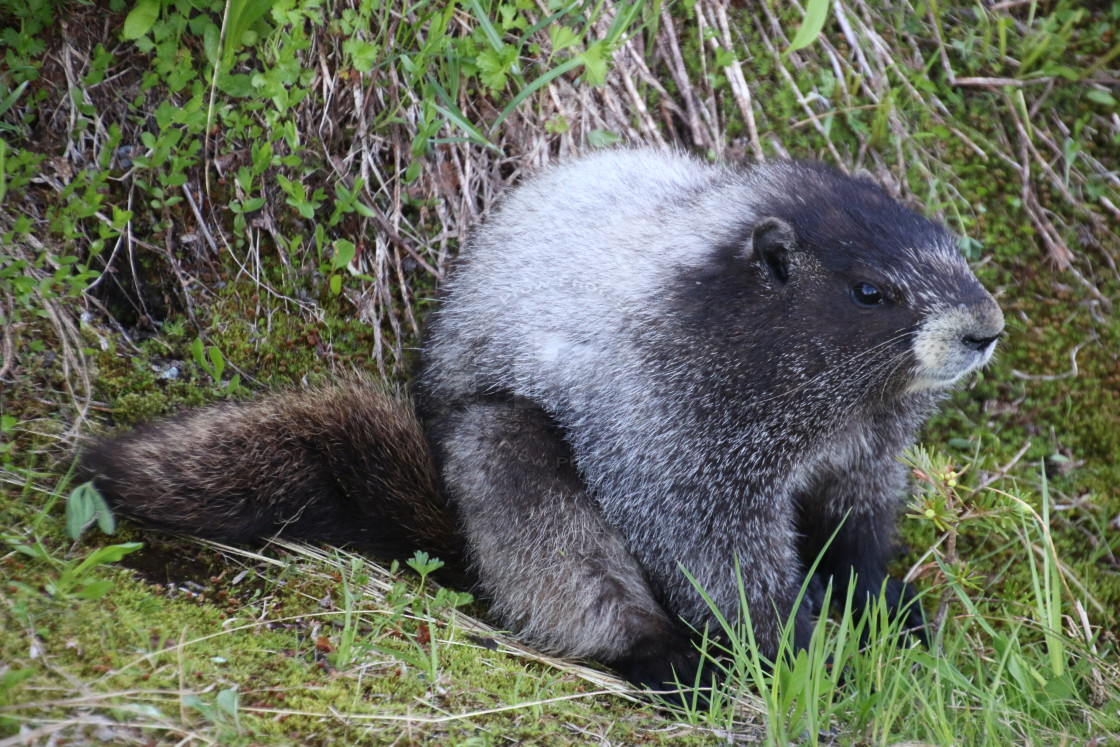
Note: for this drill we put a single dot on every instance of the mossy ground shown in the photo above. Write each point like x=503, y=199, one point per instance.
x=112, y=140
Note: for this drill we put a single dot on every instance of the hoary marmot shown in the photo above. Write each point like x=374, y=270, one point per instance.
x=643, y=364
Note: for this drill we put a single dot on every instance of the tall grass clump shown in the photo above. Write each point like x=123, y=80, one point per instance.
x=997, y=671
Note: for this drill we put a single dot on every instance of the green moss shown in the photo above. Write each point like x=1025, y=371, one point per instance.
x=204, y=632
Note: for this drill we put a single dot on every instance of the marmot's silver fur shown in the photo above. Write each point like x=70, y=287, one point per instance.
x=643, y=363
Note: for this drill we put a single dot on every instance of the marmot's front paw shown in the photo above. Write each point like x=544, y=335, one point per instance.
x=671, y=667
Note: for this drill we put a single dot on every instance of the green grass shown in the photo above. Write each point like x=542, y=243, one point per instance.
x=204, y=199
x=999, y=671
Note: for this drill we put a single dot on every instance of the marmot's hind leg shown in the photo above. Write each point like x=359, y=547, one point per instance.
x=553, y=569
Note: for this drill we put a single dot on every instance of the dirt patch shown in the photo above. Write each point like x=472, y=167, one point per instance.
x=170, y=562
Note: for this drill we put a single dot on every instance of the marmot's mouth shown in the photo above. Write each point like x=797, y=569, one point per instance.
x=942, y=363
x=925, y=383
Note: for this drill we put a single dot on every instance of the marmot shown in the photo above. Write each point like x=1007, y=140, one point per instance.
x=642, y=364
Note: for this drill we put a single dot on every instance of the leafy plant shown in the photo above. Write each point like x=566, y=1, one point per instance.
x=75, y=579
x=210, y=359
x=224, y=711
x=424, y=607
x=84, y=507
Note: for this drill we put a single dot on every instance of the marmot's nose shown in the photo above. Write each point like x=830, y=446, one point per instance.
x=979, y=344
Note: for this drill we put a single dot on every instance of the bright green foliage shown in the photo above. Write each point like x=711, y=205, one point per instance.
x=74, y=580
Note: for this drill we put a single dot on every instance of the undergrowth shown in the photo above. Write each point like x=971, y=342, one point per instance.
x=201, y=199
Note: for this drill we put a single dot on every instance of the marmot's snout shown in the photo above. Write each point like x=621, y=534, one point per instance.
x=985, y=327
x=953, y=342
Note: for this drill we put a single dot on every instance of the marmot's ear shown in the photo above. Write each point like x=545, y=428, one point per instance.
x=774, y=242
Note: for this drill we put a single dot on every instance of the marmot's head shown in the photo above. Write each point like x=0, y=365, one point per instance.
x=832, y=280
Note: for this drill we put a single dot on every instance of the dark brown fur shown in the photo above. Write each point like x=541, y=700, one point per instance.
x=346, y=464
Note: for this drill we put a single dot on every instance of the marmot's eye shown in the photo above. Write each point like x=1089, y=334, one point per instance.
x=866, y=294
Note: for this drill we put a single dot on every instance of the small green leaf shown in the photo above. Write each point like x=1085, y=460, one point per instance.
x=211, y=43
x=238, y=85
x=562, y=37
x=594, y=60
x=198, y=354
x=494, y=64
x=140, y=19
x=95, y=589
x=423, y=563
x=218, y=360
x=228, y=700
x=344, y=252
x=816, y=12
x=79, y=513
x=1104, y=98
x=602, y=138
x=9, y=101
x=36, y=551
x=363, y=54
x=85, y=505
x=106, y=522
x=107, y=554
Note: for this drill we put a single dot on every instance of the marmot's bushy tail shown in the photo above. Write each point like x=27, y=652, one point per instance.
x=347, y=464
